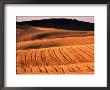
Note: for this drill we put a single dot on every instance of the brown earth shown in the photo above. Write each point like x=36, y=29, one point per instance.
x=54, y=51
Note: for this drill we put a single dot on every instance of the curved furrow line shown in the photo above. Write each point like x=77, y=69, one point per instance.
x=56, y=69
x=64, y=56
x=53, y=58
x=69, y=70
x=90, y=68
x=46, y=70
x=72, y=61
x=73, y=69
x=48, y=58
x=58, y=60
x=85, y=55
x=33, y=57
x=23, y=68
x=85, y=52
x=57, y=57
x=79, y=60
x=90, y=50
x=28, y=60
x=71, y=55
x=59, y=70
x=19, y=60
x=40, y=69
x=78, y=68
x=43, y=58
x=38, y=58
x=36, y=63
x=84, y=59
x=23, y=60
x=43, y=69
x=30, y=69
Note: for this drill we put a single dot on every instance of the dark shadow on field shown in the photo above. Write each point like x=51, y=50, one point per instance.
x=44, y=45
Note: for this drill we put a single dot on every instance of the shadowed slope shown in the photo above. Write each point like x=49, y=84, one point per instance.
x=48, y=33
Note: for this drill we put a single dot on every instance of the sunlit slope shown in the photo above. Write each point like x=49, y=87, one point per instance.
x=55, y=42
x=56, y=60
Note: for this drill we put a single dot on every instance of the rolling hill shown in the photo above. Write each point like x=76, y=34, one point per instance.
x=54, y=46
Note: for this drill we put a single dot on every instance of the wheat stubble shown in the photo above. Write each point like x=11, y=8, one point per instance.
x=77, y=59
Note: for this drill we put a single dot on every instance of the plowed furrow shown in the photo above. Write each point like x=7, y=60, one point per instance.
x=80, y=58
x=65, y=56
x=81, y=55
x=29, y=58
x=87, y=53
x=56, y=60
x=60, y=56
x=87, y=50
x=89, y=68
x=82, y=68
x=72, y=55
x=50, y=57
x=69, y=59
x=39, y=60
x=43, y=58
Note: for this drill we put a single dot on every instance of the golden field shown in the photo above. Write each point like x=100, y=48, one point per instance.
x=54, y=51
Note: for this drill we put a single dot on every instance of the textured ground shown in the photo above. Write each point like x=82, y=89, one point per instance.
x=54, y=51
x=56, y=60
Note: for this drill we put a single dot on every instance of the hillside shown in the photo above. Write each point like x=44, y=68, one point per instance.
x=55, y=46
x=78, y=59
x=62, y=23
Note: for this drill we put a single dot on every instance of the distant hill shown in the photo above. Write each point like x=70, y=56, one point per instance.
x=59, y=23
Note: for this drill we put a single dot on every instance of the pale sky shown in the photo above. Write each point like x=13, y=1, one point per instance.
x=80, y=18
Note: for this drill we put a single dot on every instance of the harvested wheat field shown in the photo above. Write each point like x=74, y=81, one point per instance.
x=70, y=54
x=56, y=60
x=66, y=47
